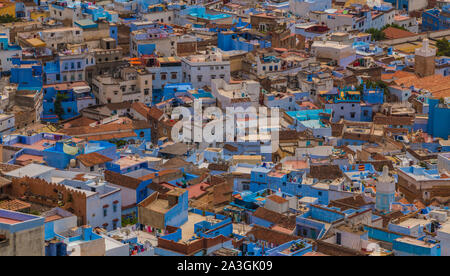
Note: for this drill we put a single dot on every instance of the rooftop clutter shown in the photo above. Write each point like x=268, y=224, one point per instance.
x=300, y=128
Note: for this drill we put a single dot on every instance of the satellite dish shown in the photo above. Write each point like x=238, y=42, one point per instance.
x=147, y=245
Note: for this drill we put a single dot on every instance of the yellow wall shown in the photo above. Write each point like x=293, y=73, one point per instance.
x=37, y=15
x=9, y=8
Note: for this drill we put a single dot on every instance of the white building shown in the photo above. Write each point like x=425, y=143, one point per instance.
x=343, y=54
x=302, y=8
x=103, y=201
x=200, y=70
x=7, y=51
x=62, y=36
x=408, y=22
x=245, y=93
x=7, y=122
x=128, y=84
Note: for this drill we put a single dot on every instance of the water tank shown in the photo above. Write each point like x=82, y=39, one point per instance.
x=73, y=163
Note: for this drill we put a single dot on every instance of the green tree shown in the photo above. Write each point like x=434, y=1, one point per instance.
x=443, y=47
x=7, y=18
x=59, y=111
x=378, y=34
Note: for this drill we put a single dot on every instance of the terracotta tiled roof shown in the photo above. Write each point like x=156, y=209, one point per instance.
x=393, y=33
x=437, y=84
x=80, y=121
x=277, y=199
x=230, y=148
x=132, y=183
x=218, y=167
x=120, y=135
x=271, y=236
x=92, y=159
x=155, y=113
x=325, y=172
x=160, y=173
x=352, y=202
x=141, y=108
x=288, y=135
x=275, y=218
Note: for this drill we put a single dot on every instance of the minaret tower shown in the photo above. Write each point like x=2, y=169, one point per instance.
x=424, y=63
x=385, y=191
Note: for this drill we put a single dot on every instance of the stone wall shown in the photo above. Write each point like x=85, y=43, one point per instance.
x=49, y=194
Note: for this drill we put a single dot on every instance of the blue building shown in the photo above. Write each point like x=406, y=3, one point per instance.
x=175, y=242
x=315, y=223
x=174, y=215
x=312, y=119
x=27, y=74
x=7, y=52
x=60, y=154
x=435, y=19
x=244, y=41
x=406, y=246
x=68, y=67
x=66, y=100
x=438, y=119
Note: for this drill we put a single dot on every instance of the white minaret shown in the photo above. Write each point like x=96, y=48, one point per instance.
x=385, y=191
x=424, y=63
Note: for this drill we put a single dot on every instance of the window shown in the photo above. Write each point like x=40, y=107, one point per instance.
x=352, y=114
x=174, y=75
x=105, y=212
x=146, y=91
x=114, y=208
x=338, y=238
x=199, y=78
x=79, y=64
x=320, y=193
x=92, y=168
x=163, y=76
